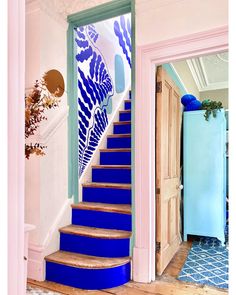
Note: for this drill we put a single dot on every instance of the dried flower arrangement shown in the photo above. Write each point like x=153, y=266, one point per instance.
x=36, y=102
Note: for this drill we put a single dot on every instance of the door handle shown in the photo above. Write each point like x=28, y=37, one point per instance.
x=179, y=187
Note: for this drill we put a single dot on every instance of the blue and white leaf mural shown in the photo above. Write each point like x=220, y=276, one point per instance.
x=122, y=29
x=97, y=45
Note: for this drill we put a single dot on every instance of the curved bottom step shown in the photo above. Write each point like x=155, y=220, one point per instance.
x=87, y=272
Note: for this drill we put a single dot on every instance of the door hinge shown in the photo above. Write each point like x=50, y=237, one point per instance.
x=158, y=246
x=158, y=191
x=159, y=87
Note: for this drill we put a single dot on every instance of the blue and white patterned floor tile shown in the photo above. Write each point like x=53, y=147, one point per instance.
x=207, y=263
x=37, y=291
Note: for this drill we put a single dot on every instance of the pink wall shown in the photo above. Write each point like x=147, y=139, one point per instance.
x=16, y=66
x=158, y=20
x=46, y=187
x=166, y=30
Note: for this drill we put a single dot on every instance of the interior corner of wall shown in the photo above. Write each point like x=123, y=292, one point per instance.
x=37, y=253
x=141, y=269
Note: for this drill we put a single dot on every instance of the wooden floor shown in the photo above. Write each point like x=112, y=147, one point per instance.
x=167, y=284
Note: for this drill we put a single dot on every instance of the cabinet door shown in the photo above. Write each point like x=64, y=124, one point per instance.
x=204, y=175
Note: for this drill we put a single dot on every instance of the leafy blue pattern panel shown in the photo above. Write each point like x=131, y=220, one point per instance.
x=96, y=87
x=122, y=29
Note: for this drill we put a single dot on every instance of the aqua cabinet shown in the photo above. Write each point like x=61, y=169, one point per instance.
x=204, y=169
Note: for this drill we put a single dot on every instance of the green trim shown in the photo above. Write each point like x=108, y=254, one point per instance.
x=96, y=14
x=132, y=240
x=72, y=119
x=100, y=12
x=172, y=74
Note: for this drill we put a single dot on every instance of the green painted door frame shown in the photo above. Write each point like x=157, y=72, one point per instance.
x=89, y=16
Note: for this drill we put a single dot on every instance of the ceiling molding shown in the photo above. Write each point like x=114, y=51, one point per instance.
x=215, y=86
x=67, y=7
x=205, y=76
x=32, y=6
x=178, y=76
x=197, y=73
x=60, y=9
x=47, y=7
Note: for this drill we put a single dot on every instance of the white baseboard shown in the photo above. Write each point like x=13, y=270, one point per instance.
x=36, y=264
x=37, y=253
x=141, y=265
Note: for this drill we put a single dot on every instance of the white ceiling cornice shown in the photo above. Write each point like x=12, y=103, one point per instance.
x=32, y=6
x=47, y=6
x=210, y=72
x=63, y=8
x=198, y=74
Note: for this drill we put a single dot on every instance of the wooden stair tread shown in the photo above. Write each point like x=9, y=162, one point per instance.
x=107, y=185
x=122, y=123
x=111, y=166
x=85, y=261
x=127, y=100
x=126, y=111
x=119, y=135
x=116, y=150
x=117, y=208
x=95, y=232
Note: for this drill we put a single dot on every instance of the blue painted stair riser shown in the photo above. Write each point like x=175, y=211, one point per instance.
x=127, y=105
x=101, y=247
x=125, y=117
x=115, y=158
x=91, y=279
x=108, y=220
x=107, y=195
x=119, y=142
x=111, y=175
x=122, y=129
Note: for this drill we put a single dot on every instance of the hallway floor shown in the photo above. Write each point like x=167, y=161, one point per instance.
x=167, y=284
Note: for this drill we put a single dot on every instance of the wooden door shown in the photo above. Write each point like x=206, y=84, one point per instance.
x=168, y=127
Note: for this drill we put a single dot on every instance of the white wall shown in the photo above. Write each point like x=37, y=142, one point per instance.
x=184, y=73
x=218, y=95
x=32, y=44
x=47, y=205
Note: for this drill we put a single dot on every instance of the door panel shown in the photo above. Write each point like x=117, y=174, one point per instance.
x=168, y=125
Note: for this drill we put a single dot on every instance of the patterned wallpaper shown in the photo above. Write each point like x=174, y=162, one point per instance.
x=104, y=63
x=122, y=29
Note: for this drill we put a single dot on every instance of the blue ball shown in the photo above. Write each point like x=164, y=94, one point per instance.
x=193, y=106
x=187, y=98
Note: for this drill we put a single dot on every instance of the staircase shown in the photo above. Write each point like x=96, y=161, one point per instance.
x=94, y=249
